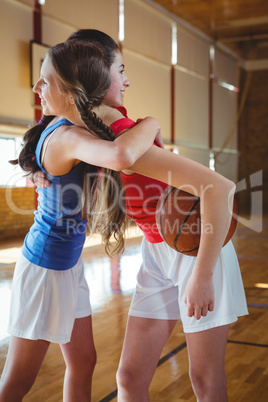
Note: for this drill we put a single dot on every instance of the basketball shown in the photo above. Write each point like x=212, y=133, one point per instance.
x=178, y=220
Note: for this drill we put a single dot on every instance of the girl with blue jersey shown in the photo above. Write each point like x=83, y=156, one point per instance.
x=50, y=296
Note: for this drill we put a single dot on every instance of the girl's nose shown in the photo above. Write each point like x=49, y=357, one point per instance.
x=126, y=82
x=36, y=88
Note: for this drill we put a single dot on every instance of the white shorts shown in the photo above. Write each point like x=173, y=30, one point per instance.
x=45, y=302
x=161, y=283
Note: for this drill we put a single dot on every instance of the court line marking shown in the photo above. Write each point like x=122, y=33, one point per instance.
x=259, y=345
x=113, y=394
x=258, y=305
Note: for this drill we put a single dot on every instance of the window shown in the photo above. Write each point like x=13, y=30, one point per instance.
x=10, y=175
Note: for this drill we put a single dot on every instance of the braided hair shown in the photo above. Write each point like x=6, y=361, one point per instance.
x=109, y=49
x=82, y=70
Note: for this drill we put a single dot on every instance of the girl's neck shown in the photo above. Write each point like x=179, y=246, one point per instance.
x=102, y=111
x=75, y=119
x=107, y=114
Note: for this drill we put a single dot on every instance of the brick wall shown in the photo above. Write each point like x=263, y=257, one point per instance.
x=253, y=140
x=16, y=211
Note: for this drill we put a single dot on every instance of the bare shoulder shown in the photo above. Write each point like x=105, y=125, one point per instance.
x=73, y=133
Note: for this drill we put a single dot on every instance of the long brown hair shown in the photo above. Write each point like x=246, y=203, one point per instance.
x=83, y=71
x=104, y=42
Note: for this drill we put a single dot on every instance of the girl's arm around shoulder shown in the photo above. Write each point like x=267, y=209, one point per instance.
x=118, y=154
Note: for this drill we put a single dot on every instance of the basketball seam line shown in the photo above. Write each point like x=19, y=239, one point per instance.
x=179, y=232
x=162, y=209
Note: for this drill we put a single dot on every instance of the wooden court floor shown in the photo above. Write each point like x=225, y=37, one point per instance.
x=111, y=287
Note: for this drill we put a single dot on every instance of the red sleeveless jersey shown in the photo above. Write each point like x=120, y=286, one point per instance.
x=142, y=193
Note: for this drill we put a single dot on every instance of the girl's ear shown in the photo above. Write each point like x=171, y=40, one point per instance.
x=69, y=98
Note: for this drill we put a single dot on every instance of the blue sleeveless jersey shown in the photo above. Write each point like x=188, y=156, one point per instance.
x=57, y=236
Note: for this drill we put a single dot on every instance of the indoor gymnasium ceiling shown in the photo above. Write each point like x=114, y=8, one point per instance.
x=241, y=25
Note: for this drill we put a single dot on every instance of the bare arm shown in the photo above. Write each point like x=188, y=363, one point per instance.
x=158, y=139
x=120, y=152
x=72, y=144
x=123, y=151
x=216, y=194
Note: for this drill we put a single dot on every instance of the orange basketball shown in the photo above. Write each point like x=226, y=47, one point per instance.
x=178, y=220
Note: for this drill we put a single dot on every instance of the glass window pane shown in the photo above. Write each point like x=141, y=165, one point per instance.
x=10, y=175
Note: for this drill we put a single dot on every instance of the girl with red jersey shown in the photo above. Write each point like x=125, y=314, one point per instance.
x=205, y=292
